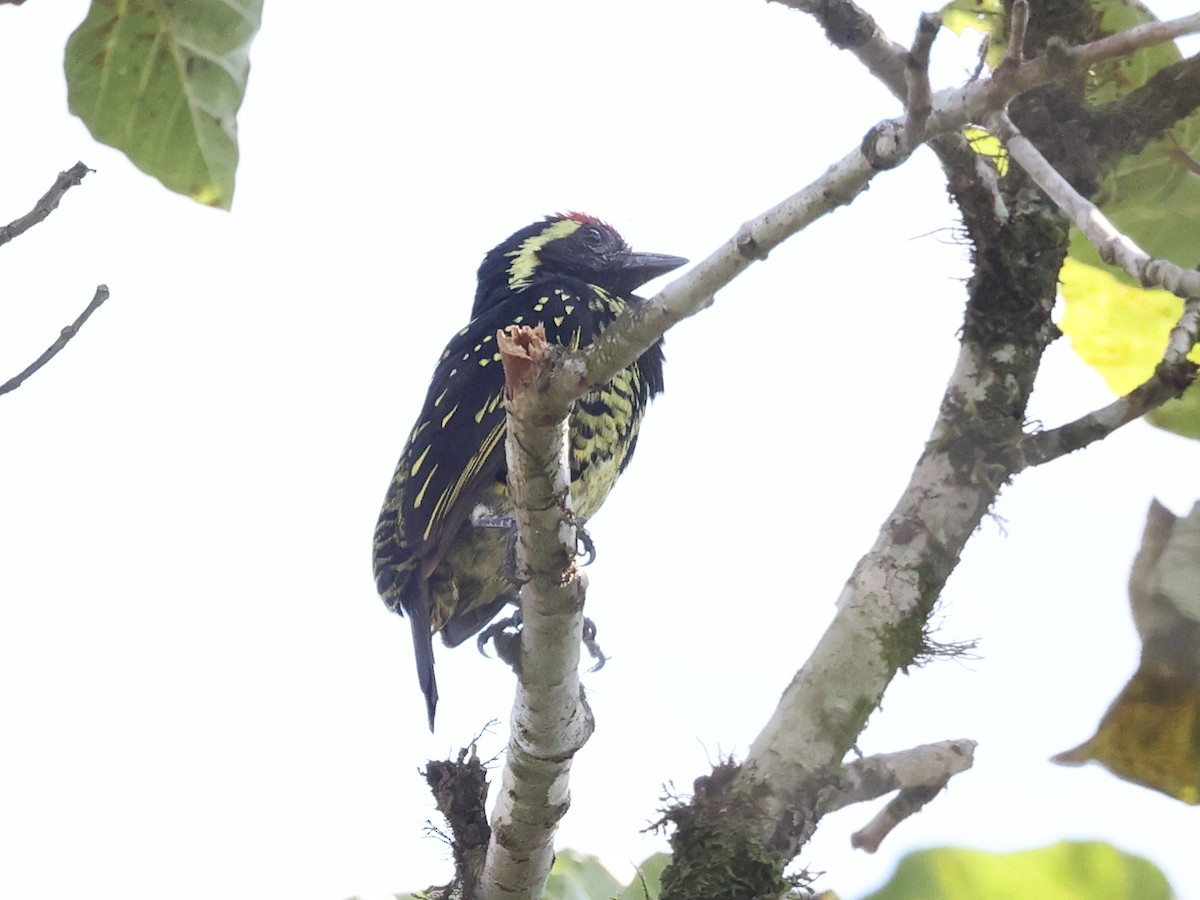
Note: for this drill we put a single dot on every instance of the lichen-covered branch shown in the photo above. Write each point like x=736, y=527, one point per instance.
x=770, y=808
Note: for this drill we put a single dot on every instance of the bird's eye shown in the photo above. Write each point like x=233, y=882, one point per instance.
x=593, y=237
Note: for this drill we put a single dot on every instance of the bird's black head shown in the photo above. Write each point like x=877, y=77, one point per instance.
x=568, y=246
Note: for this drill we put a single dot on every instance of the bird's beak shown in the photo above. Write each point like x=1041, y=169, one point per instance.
x=638, y=268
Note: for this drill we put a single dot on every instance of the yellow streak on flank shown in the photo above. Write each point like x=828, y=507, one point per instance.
x=421, y=493
x=446, y=418
x=525, y=258
x=440, y=398
x=420, y=459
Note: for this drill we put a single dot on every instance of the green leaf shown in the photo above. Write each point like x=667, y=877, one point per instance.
x=1065, y=871
x=579, y=877
x=162, y=80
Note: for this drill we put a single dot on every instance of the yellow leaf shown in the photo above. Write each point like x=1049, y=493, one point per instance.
x=1117, y=329
x=986, y=144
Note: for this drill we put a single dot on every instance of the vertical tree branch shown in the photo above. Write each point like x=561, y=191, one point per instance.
x=551, y=720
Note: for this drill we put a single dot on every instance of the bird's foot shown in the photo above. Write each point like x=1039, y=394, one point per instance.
x=505, y=634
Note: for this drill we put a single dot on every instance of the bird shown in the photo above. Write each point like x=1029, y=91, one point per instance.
x=573, y=274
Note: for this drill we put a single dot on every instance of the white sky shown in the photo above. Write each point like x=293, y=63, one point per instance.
x=203, y=695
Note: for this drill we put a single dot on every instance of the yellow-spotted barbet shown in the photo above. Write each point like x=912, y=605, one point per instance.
x=434, y=563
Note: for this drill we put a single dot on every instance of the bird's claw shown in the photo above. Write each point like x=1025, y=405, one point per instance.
x=584, y=543
x=506, y=635
x=593, y=649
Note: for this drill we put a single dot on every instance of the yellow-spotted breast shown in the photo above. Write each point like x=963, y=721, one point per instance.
x=573, y=274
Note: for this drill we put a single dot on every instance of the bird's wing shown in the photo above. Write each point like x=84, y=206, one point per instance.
x=456, y=450
x=457, y=446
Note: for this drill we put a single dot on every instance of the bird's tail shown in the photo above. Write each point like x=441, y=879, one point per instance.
x=418, y=619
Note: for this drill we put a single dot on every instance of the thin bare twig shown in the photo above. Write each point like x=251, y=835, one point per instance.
x=1172, y=376
x=1125, y=43
x=1018, y=22
x=919, y=101
x=67, y=333
x=47, y=204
